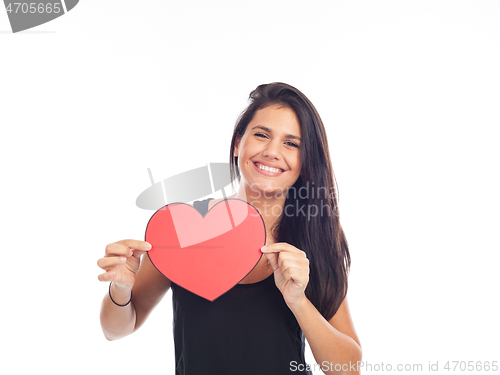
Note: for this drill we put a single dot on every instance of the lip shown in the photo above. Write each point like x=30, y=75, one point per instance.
x=267, y=173
x=267, y=164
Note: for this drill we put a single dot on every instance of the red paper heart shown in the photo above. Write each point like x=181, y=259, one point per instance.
x=206, y=255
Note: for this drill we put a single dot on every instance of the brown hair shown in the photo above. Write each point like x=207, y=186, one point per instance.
x=320, y=237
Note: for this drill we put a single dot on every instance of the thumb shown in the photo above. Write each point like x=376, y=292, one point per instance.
x=138, y=253
x=272, y=258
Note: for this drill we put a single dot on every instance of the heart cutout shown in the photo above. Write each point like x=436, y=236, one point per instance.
x=207, y=255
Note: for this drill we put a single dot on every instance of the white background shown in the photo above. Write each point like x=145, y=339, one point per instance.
x=408, y=90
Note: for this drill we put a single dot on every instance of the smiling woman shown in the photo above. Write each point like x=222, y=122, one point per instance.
x=289, y=115
x=266, y=156
x=296, y=291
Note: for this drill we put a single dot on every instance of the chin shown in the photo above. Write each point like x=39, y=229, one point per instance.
x=266, y=190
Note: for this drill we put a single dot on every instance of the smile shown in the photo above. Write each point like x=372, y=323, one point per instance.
x=268, y=171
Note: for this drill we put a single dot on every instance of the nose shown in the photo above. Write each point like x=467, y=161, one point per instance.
x=272, y=151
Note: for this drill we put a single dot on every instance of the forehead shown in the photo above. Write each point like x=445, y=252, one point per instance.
x=277, y=118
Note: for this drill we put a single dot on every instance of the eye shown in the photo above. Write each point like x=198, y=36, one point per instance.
x=290, y=143
x=261, y=135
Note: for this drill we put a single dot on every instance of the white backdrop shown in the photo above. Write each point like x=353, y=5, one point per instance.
x=409, y=93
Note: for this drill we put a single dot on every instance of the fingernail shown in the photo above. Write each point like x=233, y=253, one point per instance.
x=148, y=246
x=263, y=248
x=112, y=274
x=123, y=259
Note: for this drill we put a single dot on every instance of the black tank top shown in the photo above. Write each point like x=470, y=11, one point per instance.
x=249, y=330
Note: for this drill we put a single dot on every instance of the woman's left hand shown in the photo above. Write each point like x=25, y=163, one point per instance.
x=291, y=270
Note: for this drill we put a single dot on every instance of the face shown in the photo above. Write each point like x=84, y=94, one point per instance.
x=269, y=151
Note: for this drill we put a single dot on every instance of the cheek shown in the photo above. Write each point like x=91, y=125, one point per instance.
x=248, y=150
x=297, y=164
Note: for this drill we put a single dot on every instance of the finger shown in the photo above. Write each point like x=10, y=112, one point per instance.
x=125, y=247
x=136, y=244
x=292, y=257
x=107, y=276
x=295, y=274
x=281, y=247
x=284, y=264
x=272, y=258
x=118, y=249
x=138, y=253
x=107, y=262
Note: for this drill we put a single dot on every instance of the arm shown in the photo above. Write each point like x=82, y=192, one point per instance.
x=145, y=282
x=334, y=343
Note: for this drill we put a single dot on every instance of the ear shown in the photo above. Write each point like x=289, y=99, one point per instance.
x=236, y=147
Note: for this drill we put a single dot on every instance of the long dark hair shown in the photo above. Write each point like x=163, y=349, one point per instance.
x=313, y=225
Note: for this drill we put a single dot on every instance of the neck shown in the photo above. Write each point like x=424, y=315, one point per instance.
x=270, y=206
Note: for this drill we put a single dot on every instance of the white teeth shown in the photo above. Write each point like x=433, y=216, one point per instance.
x=269, y=169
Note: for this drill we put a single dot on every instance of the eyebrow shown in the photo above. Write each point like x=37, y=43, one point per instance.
x=290, y=136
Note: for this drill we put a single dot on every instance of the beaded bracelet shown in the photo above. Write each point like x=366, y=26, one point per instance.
x=114, y=300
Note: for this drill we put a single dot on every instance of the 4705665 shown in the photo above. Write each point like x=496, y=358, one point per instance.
x=33, y=8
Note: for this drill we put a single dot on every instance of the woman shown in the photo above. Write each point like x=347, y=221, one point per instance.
x=280, y=154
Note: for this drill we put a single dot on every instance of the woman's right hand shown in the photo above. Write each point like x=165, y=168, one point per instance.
x=121, y=261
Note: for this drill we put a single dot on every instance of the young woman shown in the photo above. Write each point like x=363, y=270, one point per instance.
x=279, y=153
